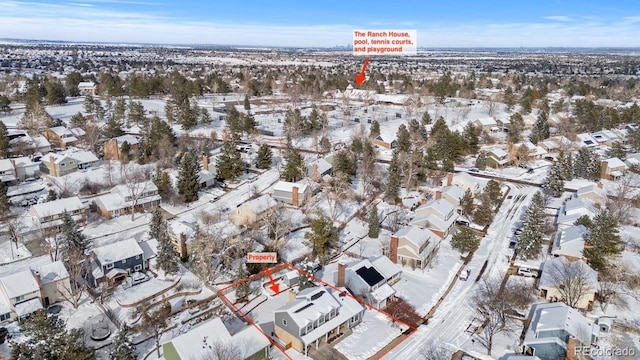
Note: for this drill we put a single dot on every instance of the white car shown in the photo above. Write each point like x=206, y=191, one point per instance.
x=464, y=275
x=526, y=272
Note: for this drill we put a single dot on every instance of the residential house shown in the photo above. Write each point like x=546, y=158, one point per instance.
x=504, y=124
x=84, y=159
x=453, y=194
x=486, y=124
x=612, y=169
x=369, y=280
x=573, y=209
x=54, y=282
x=57, y=164
x=385, y=141
x=555, y=330
x=534, y=152
x=558, y=273
x=594, y=193
x=114, y=262
x=17, y=169
x=49, y=215
x=181, y=233
x=112, y=149
x=251, y=211
x=87, y=88
x=59, y=136
x=295, y=194
x=586, y=140
x=607, y=137
x=78, y=133
x=20, y=295
x=413, y=246
x=319, y=168
x=498, y=158
x=21, y=143
x=437, y=215
x=206, y=179
x=208, y=340
x=125, y=199
x=463, y=180
x=569, y=243
x=633, y=160
x=315, y=315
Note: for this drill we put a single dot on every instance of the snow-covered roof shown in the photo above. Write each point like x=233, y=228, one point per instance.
x=574, y=208
x=550, y=317
x=83, y=157
x=19, y=283
x=57, y=158
x=177, y=227
x=149, y=248
x=416, y=235
x=117, y=251
x=570, y=242
x=77, y=132
x=385, y=266
x=21, y=162
x=498, y=152
x=260, y=204
x=86, y=85
x=441, y=207
x=287, y=186
x=61, y=131
x=487, y=121
x=323, y=166
x=383, y=292
x=141, y=187
x=591, y=188
x=614, y=163
x=130, y=139
x=28, y=307
x=454, y=191
x=52, y=272
x=587, y=140
x=57, y=207
x=558, y=270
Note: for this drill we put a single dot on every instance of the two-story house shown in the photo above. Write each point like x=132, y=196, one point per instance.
x=569, y=243
x=21, y=143
x=369, y=279
x=87, y=88
x=462, y=180
x=49, y=215
x=21, y=295
x=453, y=194
x=57, y=164
x=251, y=211
x=437, y=215
x=498, y=158
x=315, y=315
x=573, y=209
x=128, y=198
x=114, y=262
x=413, y=246
x=112, y=149
x=612, y=169
x=555, y=329
x=59, y=136
x=593, y=192
x=319, y=168
x=295, y=194
x=558, y=274
x=17, y=169
x=84, y=159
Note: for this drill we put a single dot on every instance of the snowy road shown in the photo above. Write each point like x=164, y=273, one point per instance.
x=450, y=322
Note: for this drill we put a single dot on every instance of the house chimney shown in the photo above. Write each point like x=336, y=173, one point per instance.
x=294, y=196
x=423, y=201
x=37, y=277
x=393, y=249
x=449, y=179
x=314, y=172
x=438, y=194
x=341, y=280
x=571, y=348
x=184, y=255
x=604, y=170
x=292, y=295
x=53, y=170
x=15, y=169
x=600, y=185
x=205, y=162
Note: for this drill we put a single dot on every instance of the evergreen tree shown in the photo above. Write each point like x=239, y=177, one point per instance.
x=294, y=165
x=89, y=104
x=495, y=193
x=4, y=104
x=229, y=162
x=465, y=240
x=403, y=139
x=375, y=129
x=540, y=130
x=122, y=348
x=581, y=163
x=113, y=128
x=205, y=116
x=470, y=136
x=602, y=241
x=5, y=205
x=466, y=203
x=481, y=161
x=247, y=104
x=323, y=236
x=5, y=144
x=137, y=112
x=162, y=181
x=530, y=241
x=46, y=337
x=305, y=281
x=248, y=123
x=553, y=184
x=483, y=215
x=374, y=222
x=55, y=93
x=516, y=126
x=393, y=179
x=426, y=118
x=565, y=165
x=78, y=121
x=243, y=289
x=509, y=98
x=264, y=157
x=188, y=179
x=167, y=256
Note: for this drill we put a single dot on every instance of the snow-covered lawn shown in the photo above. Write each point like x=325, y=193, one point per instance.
x=10, y=252
x=374, y=332
x=297, y=246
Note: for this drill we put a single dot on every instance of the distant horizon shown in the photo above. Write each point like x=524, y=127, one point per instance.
x=281, y=23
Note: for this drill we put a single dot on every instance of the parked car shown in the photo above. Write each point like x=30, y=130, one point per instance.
x=474, y=170
x=530, y=171
x=517, y=231
x=464, y=275
x=526, y=272
x=138, y=278
x=462, y=222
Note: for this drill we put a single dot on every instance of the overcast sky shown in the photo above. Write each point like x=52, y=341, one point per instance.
x=326, y=23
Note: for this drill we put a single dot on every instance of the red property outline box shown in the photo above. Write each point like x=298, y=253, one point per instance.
x=226, y=289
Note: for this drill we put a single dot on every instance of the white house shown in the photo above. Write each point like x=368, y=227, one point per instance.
x=413, y=246
x=437, y=215
x=49, y=214
x=124, y=199
x=369, y=280
x=559, y=273
x=569, y=242
x=573, y=209
x=463, y=180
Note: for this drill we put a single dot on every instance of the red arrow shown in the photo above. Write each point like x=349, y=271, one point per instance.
x=274, y=286
x=360, y=77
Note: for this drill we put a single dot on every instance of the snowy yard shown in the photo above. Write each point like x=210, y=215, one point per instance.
x=374, y=332
x=297, y=246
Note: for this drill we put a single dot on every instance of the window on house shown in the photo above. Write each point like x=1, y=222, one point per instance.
x=124, y=261
x=309, y=327
x=137, y=257
x=321, y=320
x=137, y=267
x=109, y=266
x=19, y=298
x=4, y=317
x=61, y=164
x=284, y=322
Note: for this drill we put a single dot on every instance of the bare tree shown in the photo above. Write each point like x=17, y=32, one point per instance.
x=617, y=284
x=432, y=351
x=155, y=321
x=492, y=106
x=396, y=220
x=278, y=224
x=572, y=280
x=624, y=198
x=137, y=184
x=201, y=251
